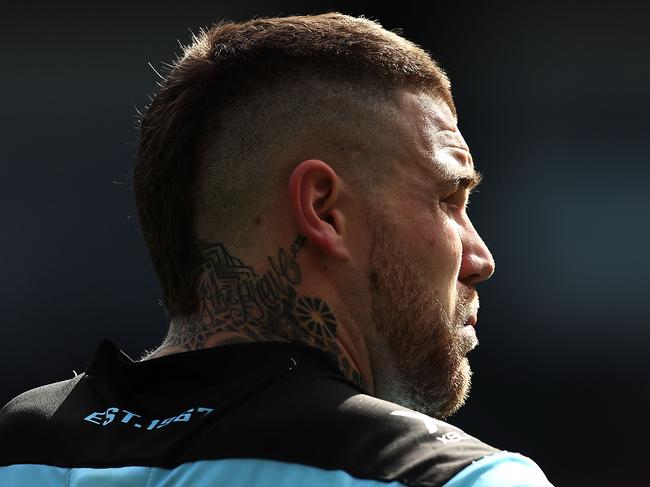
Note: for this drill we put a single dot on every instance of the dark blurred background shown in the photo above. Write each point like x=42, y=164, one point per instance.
x=553, y=101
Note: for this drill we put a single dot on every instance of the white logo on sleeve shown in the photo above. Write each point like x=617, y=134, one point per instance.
x=432, y=427
x=428, y=421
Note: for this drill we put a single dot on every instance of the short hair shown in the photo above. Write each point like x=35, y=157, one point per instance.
x=215, y=139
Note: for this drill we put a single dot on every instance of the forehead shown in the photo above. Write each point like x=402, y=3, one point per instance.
x=433, y=139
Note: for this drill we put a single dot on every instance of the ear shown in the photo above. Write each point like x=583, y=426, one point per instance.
x=314, y=196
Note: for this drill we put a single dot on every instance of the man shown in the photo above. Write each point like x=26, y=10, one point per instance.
x=301, y=184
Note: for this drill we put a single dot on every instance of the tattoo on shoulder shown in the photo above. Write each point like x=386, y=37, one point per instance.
x=234, y=298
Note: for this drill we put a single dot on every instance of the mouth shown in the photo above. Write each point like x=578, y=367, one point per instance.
x=468, y=332
x=469, y=338
x=472, y=320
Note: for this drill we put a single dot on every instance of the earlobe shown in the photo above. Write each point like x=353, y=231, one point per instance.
x=314, y=197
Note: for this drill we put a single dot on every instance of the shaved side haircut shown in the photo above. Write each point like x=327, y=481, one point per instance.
x=245, y=103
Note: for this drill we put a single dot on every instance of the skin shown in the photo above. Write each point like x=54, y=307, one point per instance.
x=385, y=284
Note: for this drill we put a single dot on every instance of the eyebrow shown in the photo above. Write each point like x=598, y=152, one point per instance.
x=463, y=182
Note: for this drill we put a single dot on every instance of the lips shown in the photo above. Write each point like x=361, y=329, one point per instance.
x=472, y=320
x=469, y=339
x=469, y=332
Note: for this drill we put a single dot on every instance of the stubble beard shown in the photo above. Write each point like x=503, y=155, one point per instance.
x=418, y=352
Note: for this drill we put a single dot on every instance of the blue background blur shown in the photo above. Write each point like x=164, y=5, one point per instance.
x=553, y=101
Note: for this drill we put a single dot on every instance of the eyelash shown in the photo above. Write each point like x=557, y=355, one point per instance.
x=458, y=193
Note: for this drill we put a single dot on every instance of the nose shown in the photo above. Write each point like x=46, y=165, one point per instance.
x=477, y=263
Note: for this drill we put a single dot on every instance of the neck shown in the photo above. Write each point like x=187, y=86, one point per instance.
x=236, y=304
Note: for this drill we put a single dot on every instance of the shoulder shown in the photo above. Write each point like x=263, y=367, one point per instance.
x=417, y=449
x=373, y=438
x=28, y=415
x=38, y=402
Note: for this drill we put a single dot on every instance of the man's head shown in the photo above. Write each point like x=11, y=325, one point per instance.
x=336, y=129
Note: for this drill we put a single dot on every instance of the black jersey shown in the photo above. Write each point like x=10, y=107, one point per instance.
x=250, y=414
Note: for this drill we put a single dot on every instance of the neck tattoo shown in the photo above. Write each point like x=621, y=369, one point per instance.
x=234, y=298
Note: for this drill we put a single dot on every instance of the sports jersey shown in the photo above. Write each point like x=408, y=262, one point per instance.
x=251, y=414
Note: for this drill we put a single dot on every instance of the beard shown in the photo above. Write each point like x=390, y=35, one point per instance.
x=418, y=351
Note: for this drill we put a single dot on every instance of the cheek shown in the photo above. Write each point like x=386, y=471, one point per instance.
x=443, y=249
x=453, y=247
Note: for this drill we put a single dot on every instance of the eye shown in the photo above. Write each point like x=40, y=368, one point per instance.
x=456, y=200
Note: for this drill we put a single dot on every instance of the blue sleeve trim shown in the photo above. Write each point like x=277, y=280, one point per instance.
x=502, y=469
x=203, y=473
